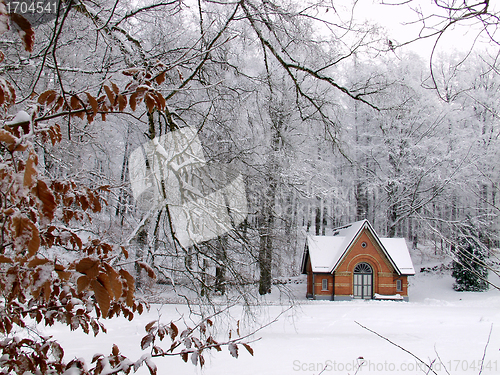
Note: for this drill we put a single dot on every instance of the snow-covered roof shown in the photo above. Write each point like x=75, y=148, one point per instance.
x=398, y=251
x=326, y=252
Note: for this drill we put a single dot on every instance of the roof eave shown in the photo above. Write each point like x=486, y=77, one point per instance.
x=349, y=246
x=386, y=253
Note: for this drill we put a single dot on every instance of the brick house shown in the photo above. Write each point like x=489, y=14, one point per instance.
x=355, y=263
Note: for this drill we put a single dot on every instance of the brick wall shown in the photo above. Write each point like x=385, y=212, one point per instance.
x=384, y=275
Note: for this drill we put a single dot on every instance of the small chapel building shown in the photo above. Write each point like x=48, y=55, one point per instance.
x=354, y=263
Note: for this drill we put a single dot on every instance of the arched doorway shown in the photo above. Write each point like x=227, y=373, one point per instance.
x=363, y=281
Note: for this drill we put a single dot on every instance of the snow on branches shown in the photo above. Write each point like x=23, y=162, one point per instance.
x=48, y=273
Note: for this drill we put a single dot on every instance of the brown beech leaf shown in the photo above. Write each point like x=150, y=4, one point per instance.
x=148, y=269
x=130, y=285
x=34, y=243
x=150, y=102
x=110, y=94
x=89, y=267
x=160, y=78
x=114, y=279
x=59, y=102
x=4, y=259
x=7, y=93
x=161, y=101
x=82, y=283
x=115, y=350
x=102, y=297
x=151, y=366
x=75, y=102
x=248, y=347
x=106, y=283
x=130, y=72
x=149, y=326
x=64, y=275
x=57, y=351
x=96, y=203
x=26, y=32
x=79, y=114
x=47, y=290
x=47, y=201
x=122, y=102
x=174, y=331
x=116, y=90
x=140, y=308
x=37, y=262
x=42, y=99
x=157, y=100
x=146, y=341
x=52, y=98
x=55, y=134
x=84, y=202
x=93, y=102
x=26, y=235
x=30, y=169
x=133, y=101
x=185, y=356
x=7, y=137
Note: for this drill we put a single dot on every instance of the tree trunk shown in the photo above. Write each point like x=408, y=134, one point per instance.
x=220, y=268
x=324, y=221
x=266, y=222
x=265, y=253
x=317, y=219
x=122, y=199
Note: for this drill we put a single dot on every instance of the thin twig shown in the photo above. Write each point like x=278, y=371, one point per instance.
x=398, y=346
x=485, y=348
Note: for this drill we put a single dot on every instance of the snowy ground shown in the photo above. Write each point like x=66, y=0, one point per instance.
x=320, y=335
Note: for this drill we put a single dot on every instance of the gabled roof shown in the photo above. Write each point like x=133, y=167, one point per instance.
x=398, y=251
x=327, y=252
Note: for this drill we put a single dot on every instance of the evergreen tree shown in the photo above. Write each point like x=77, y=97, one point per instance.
x=469, y=269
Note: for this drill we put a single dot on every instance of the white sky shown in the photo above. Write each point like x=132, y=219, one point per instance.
x=398, y=18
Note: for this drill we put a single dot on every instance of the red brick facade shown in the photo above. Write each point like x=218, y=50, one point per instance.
x=339, y=285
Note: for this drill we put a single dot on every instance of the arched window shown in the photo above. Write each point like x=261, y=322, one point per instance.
x=363, y=281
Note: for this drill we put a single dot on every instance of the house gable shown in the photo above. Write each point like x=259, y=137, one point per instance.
x=333, y=259
x=372, y=254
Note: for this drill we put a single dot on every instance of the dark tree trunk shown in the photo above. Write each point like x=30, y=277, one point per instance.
x=220, y=268
x=317, y=218
x=324, y=221
x=265, y=254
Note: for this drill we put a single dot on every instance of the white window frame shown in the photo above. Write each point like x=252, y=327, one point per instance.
x=324, y=285
x=399, y=285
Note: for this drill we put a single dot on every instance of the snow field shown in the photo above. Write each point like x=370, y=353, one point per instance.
x=317, y=335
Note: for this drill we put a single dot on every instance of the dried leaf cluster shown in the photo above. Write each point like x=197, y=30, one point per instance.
x=37, y=215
